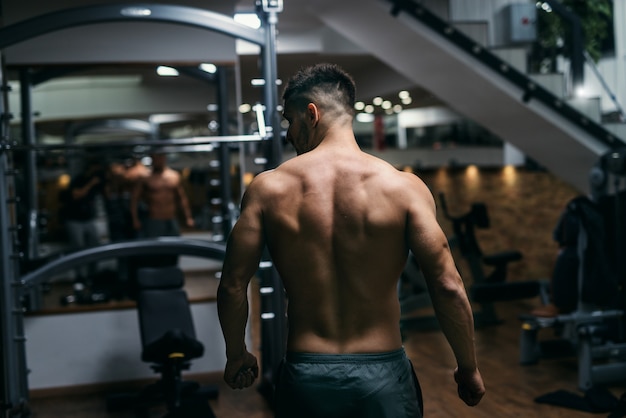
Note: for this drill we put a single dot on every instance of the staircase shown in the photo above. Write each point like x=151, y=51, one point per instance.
x=489, y=86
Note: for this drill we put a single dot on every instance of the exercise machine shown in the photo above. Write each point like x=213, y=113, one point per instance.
x=168, y=340
x=14, y=384
x=487, y=286
x=596, y=329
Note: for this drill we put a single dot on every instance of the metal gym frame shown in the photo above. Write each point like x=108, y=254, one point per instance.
x=14, y=382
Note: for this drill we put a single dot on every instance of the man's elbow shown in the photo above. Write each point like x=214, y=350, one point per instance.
x=448, y=286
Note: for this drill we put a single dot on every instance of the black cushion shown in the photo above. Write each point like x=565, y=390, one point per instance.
x=165, y=319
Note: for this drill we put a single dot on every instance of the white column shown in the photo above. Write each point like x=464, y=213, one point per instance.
x=512, y=155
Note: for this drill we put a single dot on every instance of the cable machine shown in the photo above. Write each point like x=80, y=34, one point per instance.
x=13, y=369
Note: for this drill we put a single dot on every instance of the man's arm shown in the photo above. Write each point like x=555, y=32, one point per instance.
x=243, y=254
x=447, y=292
x=134, y=202
x=184, y=204
x=80, y=192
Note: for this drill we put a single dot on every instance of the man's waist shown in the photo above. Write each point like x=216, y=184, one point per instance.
x=306, y=357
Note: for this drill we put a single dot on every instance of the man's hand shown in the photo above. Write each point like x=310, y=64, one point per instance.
x=241, y=372
x=470, y=385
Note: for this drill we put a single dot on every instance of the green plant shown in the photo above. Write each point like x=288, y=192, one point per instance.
x=554, y=32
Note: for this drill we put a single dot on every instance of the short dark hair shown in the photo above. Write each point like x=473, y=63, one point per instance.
x=329, y=79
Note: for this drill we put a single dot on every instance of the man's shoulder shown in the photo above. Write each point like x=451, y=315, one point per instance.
x=275, y=178
x=392, y=176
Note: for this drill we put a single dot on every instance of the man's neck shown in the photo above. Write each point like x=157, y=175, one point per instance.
x=339, y=138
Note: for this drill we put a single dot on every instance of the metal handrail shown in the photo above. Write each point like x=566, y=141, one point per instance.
x=605, y=86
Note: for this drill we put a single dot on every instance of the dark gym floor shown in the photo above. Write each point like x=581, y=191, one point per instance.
x=511, y=388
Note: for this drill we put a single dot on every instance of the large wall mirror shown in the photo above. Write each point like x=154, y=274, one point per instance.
x=83, y=96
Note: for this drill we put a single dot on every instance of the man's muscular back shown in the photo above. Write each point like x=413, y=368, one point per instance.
x=338, y=242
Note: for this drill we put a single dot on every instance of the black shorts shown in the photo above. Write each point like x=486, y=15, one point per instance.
x=378, y=385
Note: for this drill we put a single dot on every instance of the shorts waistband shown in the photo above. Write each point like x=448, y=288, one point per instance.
x=297, y=357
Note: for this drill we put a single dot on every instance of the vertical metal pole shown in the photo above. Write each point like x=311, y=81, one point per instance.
x=30, y=166
x=270, y=74
x=14, y=383
x=273, y=299
x=224, y=152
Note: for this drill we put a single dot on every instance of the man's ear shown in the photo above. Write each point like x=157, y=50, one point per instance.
x=313, y=114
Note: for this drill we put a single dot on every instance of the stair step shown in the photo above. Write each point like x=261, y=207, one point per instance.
x=555, y=83
x=617, y=129
x=477, y=31
x=588, y=106
x=515, y=57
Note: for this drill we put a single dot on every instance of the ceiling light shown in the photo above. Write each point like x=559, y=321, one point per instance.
x=377, y=101
x=545, y=6
x=397, y=108
x=245, y=108
x=248, y=19
x=407, y=101
x=386, y=104
x=164, y=71
x=404, y=94
x=207, y=67
x=359, y=105
x=365, y=117
x=369, y=109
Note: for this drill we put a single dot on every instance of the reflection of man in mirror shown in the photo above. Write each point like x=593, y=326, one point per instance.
x=80, y=211
x=121, y=181
x=163, y=193
x=135, y=171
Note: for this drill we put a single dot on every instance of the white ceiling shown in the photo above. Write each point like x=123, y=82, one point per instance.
x=302, y=39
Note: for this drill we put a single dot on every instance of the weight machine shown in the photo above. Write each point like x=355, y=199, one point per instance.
x=487, y=288
x=596, y=330
x=14, y=382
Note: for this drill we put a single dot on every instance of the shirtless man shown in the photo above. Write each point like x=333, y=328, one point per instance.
x=339, y=225
x=162, y=193
x=135, y=171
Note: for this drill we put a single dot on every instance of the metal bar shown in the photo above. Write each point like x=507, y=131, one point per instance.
x=273, y=325
x=80, y=16
x=13, y=371
x=224, y=153
x=196, y=140
x=156, y=246
x=603, y=374
x=605, y=86
x=30, y=167
x=133, y=125
x=270, y=74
